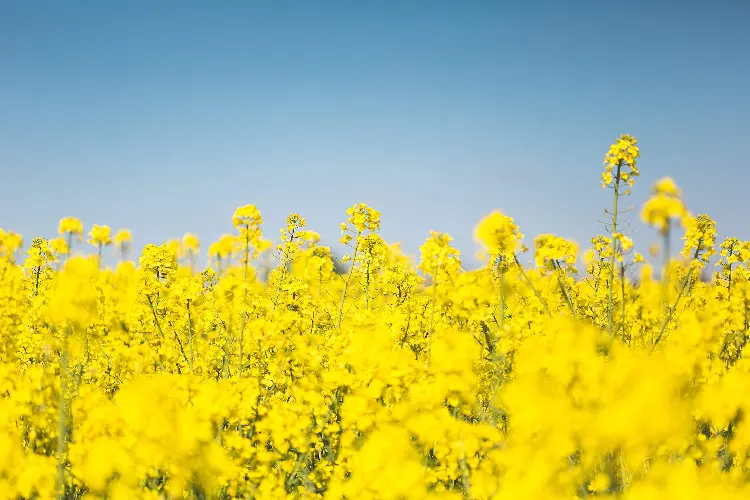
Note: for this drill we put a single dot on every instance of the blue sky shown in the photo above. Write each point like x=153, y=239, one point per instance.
x=163, y=117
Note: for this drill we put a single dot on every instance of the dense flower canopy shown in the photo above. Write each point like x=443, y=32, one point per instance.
x=378, y=376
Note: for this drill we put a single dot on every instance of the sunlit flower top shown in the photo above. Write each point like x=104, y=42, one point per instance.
x=438, y=258
x=123, y=237
x=222, y=248
x=248, y=217
x=100, y=235
x=620, y=161
x=700, y=240
x=361, y=218
x=499, y=235
x=664, y=205
x=551, y=251
x=70, y=226
x=9, y=242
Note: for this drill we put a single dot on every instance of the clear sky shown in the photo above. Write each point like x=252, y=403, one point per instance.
x=163, y=117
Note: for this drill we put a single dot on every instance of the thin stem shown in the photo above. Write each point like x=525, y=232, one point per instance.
x=70, y=245
x=614, y=250
x=367, y=286
x=158, y=324
x=536, y=292
x=62, y=422
x=501, y=269
x=665, y=267
x=348, y=279
x=153, y=311
x=432, y=317
x=244, y=304
x=37, y=272
x=673, y=309
x=563, y=288
x=622, y=285
x=179, y=343
x=190, y=335
x=729, y=282
x=283, y=262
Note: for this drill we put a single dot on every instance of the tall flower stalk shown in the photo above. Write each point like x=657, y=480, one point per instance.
x=619, y=171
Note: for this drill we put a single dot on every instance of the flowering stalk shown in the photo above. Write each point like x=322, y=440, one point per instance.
x=665, y=266
x=431, y=333
x=536, y=292
x=623, y=153
x=346, y=283
x=563, y=288
x=611, y=281
x=501, y=275
x=622, y=285
x=671, y=310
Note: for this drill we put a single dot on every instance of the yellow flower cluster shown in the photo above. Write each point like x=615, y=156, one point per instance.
x=500, y=237
x=100, y=235
x=620, y=162
x=378, y=377
x=664, y=205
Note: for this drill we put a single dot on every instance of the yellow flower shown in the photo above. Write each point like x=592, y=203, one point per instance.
x=70, y=226
x=100, y=236
x=622, y=154
x=700, y=238
x=361, y=218
x=59, y=246
x=384, y=378
x=123, y=237
x=664, y=205
x=439, y=259
x=667, y=186
x=247, y=216
x=499, y=235
x=554, y=251
x=222, y=248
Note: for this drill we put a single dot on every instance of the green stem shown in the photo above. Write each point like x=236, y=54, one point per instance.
x=70, y=245
x=563, y=288
x=37, y=272
x=622, y=285
x=536, y=292
x=729, y=280
x=614, y=251
x=673, y=309
x=284, y=260
x=62, y=422
x=367, y=286
x=190, y=335
x=432, y=317
x=244, y=304
x=501, y=269
x=348, y=279
x=665, y=267
x=158, y=324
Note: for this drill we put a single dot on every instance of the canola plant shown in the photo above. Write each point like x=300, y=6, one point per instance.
x=574, y=376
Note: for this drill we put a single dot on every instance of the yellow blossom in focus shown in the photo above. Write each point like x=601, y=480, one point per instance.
x=620, y=162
